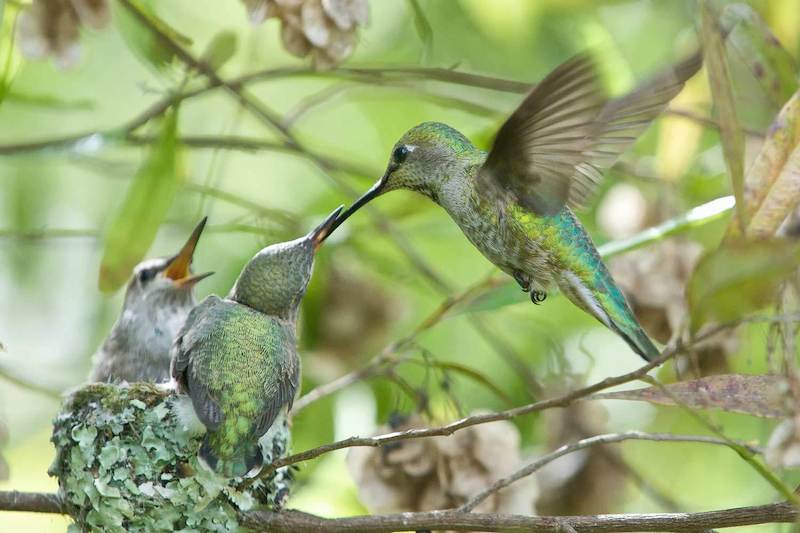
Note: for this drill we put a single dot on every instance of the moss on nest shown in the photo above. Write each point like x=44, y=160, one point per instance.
x=124, y=463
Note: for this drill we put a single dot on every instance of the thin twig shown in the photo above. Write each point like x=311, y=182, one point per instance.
x=608, y=438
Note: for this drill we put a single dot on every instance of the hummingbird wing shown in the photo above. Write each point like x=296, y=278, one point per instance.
x=235, y=362
x=552, y=150
x=206, y=407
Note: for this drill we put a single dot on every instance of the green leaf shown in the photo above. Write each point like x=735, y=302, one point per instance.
x=751, y=41
x=221, y=49
x=763, y=395
x=739, y=278
x=141, y=39
x=719, y=79
x=423, y=28
x=146, y=204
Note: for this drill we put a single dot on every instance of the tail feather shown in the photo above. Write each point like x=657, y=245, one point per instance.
x=638, y=340
x=245, y=462
x=612, y=310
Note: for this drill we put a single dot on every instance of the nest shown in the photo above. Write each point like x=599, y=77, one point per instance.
x=125, y=462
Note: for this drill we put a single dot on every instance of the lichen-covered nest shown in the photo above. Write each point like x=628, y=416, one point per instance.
x=124, y=462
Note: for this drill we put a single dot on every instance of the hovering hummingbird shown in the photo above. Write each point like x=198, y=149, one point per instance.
x=515, y=203
x=236, y=358
x=158, y=299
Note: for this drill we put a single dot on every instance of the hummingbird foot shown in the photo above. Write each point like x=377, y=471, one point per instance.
x=523, y=281
x=538, y=297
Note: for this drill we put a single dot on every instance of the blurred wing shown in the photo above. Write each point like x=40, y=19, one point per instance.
x=537, y=150
x=624, y=119
x=187, y=350
x=552, y=150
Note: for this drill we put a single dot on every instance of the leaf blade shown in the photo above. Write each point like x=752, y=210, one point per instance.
x=738, y=278
x=757, y=395
x=731, y=134
x=145, y=206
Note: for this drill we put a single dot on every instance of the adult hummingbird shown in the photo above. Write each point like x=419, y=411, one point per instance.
x=236, y=357
x=158, y=299
x=515, y=202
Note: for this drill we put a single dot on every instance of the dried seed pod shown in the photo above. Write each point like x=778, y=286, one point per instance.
x=325, y=29
x=443, y=472
x=52, y=27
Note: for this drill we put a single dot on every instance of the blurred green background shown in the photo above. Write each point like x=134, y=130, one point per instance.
x=365, y=292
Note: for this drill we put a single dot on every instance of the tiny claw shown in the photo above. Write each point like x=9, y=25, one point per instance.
x=523, y=283
x=538, y=297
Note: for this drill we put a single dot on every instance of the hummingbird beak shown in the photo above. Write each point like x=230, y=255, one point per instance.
x=321, y=232
x=178, y=266
x=365, y=198
x=190, y=281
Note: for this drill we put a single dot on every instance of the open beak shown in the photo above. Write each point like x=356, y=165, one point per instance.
x=321, y=232
x=365, y=198
x=178, y=268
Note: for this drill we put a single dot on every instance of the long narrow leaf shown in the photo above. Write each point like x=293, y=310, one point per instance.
x=146, y=204
x=740, y=393
x=731, y=134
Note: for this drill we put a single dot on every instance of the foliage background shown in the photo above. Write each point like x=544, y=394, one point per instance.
x=52, y=315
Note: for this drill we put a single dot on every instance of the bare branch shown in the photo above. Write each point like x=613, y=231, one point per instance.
x=587, y=443
x=31, y=502
x=297, y=522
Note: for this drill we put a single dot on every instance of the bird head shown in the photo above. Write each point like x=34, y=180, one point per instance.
x=275, y=279
x=165, y=279
x=425, y=157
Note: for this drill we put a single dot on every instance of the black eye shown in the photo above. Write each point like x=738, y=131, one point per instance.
x=147, y=274
x=400, y=153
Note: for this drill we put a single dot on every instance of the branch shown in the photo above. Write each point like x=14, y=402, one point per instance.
x=608, y=438
x=31, y=502
x=297, y=522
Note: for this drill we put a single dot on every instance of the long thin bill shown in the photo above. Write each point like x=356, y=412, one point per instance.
x=365, y=198
x=321, y=232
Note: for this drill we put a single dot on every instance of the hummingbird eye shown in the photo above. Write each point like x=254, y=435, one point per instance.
x=400, y=154
x=146, y=275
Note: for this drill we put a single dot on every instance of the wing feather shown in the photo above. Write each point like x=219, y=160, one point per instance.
x=553, y=149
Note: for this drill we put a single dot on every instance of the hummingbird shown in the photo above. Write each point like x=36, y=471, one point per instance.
x=158, y=299
x=236, y=357
x=515, y=203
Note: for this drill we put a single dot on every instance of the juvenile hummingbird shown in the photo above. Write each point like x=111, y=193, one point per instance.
x=158, y=299
x=515, y=203
x=236, y=357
